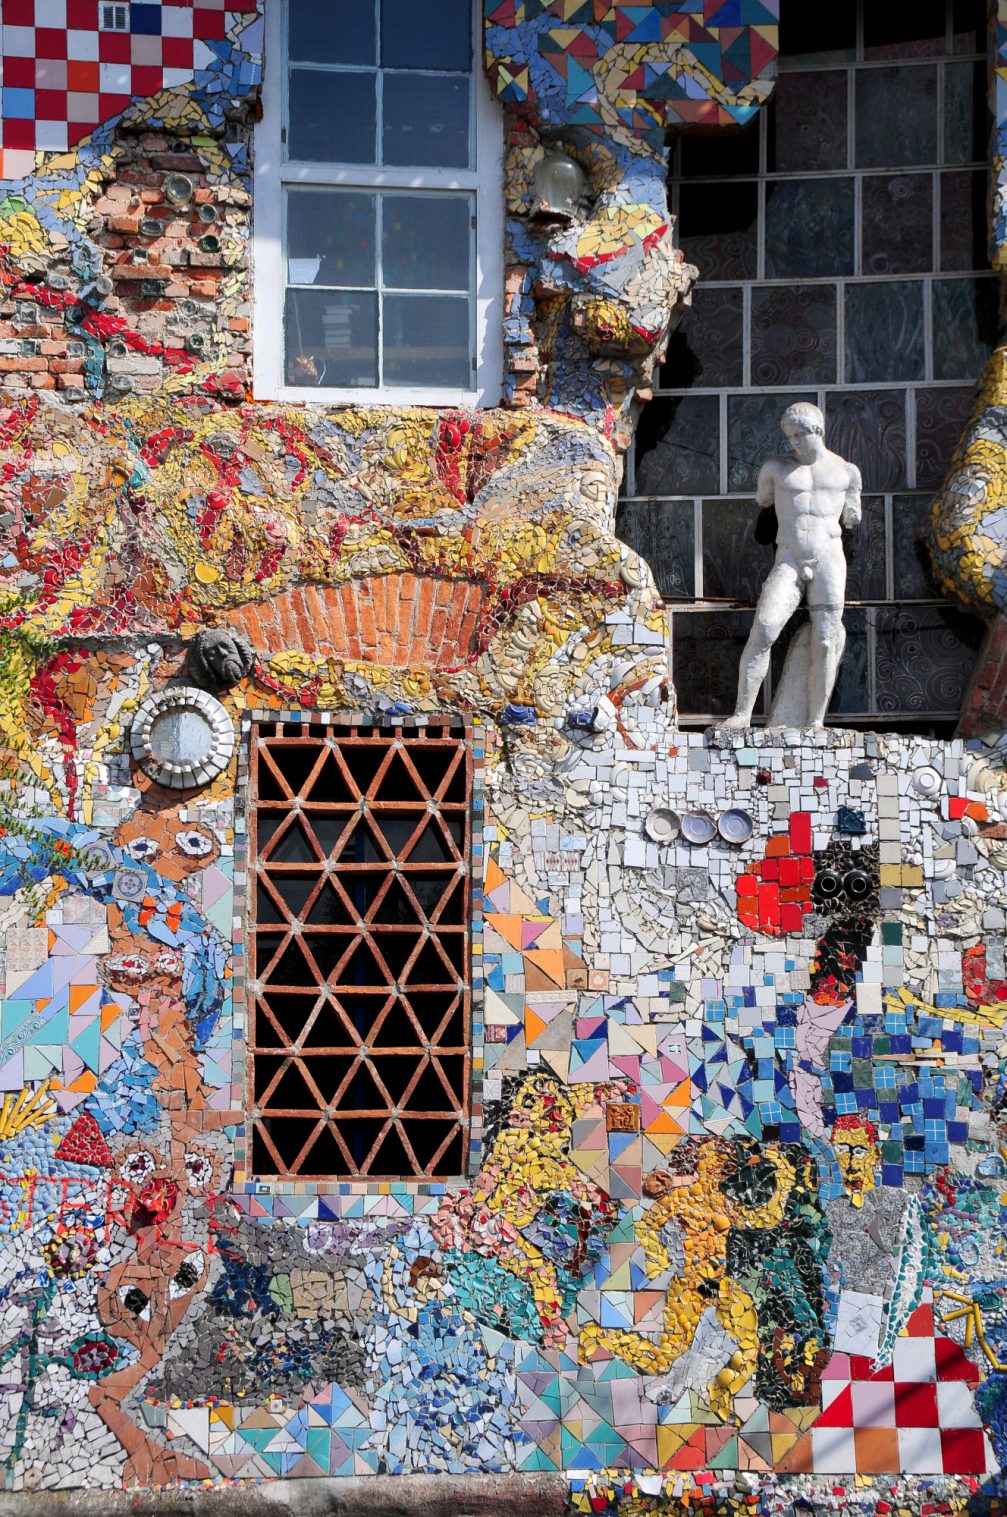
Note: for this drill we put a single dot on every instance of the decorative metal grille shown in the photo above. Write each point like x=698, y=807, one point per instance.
x=360, y=844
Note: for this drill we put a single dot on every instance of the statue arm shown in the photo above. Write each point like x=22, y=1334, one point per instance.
x=851, y=512
x=765, y=489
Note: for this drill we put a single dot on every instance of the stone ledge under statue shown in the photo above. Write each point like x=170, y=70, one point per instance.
x=815, y=495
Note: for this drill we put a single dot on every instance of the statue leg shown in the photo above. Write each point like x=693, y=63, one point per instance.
x=780, y=598
x=828, y=638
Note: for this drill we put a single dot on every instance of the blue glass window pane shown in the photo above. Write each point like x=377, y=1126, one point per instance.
x=678, y=446
x=706, y=347
x=718, y=229
x=794, y=335
x=807, y=123
x=884, y=331
x=809, y=228
x=869, y=428
x=965, y=326
x=966, y=117
x=897, y=230
x=706, y=648
x=896, y=117
x=662, y=532
x=734, y=564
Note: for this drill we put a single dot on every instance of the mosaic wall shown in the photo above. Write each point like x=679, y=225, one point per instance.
x=730, y=1230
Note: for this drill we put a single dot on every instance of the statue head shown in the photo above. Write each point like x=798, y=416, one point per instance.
x=855, y=1144
x=803, y=426
x=220, y=658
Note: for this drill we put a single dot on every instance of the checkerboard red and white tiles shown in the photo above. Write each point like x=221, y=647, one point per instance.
x=62, y=76
x=917, y=1415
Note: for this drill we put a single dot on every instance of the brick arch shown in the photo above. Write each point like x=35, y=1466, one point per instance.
x=392, y=619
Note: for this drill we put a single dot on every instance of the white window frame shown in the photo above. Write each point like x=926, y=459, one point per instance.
x=273, y=175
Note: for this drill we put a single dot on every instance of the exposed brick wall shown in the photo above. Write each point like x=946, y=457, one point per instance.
x=394, y=619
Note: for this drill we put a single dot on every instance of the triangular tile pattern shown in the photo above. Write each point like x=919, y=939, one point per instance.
x=360, y=851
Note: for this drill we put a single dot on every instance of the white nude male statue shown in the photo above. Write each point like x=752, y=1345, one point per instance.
x=816, y=493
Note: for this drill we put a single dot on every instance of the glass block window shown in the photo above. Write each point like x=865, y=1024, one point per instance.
x=375, y=217
x=360, y=987
x=841, y=243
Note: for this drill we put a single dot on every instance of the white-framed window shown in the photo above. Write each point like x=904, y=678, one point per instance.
x=378, y=217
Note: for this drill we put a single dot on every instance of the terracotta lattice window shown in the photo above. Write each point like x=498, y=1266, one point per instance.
x=360, y=985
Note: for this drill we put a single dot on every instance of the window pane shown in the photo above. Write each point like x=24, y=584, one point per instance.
x=813, y=34
x=896, y=117
x=963, y=221
x=426, y=241
x=865, y=553
x=884, y=331
x=706, y=648
x=807, y=123
x=443, y=41
x=914, y=575
x=940, y=420
x=924, y=658
x=904, y=31
x=426, y=340
x=718, y=231
x=965, y=326
x=966, y=121
x=869, y=428
x=725, y=153
x=340, y=31
x=331, y=338
x=794, y=335
x=662, y=532
x=677, y=446
x=426, y=120
x=706, y=347
x=753, y=433
x=332, y=117
x=734, y=564
x=809, y=228
x=330, y=237
x=898, y=224
x=969, y=23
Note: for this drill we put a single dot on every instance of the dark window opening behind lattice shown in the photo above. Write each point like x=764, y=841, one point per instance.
x=360, y=843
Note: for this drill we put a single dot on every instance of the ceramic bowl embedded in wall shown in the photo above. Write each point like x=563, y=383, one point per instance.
x=926, y=781
x=182, y=737
x=735, y=826
x=662, y=825
x=698, y=828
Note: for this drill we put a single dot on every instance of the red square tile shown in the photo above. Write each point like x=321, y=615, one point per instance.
x=952, y=1363
x=208, y=24
x=964, y=1451
x=176, y=52
x=113, y=47
x=791, y=917
x=18, y=133
x=145, y=80
x=771, y=869
x=111, y=105
x=50, y=42
x=800, y=831
x=50, y=105
x=82, y=15
x=916, y=1405
x=790, y=871
x=19, y=73
x=19, y=12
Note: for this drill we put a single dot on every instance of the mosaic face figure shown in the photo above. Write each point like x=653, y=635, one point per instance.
x=855, y=1142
